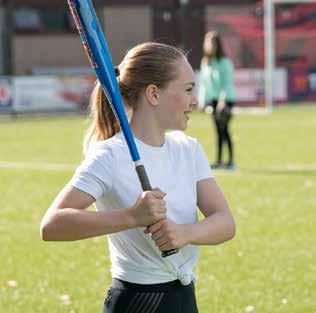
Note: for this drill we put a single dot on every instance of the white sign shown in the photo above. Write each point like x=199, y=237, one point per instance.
x=249, y=85
x=312, y=81
x=51, y=93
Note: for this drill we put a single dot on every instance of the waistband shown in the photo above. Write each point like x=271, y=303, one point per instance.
x=168, y=286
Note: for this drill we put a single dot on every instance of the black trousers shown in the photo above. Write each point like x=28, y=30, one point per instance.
x=171, y=297
x=221, y=121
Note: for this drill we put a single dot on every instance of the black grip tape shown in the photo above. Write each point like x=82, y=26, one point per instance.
x=143, y=178
x=164, y=254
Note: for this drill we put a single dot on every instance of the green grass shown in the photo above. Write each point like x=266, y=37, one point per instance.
x=272, y=196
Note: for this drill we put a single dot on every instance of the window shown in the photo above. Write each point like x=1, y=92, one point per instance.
x=27, y=19
x=39, y=20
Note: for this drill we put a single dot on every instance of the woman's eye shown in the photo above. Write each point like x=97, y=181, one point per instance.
x=189, y=90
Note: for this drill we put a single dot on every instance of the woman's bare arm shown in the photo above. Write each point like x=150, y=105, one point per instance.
x=218, y=225
x=67, y=218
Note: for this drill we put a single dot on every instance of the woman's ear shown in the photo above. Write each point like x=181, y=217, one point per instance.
x=151, y=94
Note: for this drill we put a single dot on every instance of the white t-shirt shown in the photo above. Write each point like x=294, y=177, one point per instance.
x=108, y=174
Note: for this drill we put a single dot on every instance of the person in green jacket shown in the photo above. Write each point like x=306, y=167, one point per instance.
x=216, y=89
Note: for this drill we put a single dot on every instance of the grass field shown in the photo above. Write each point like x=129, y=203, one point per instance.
x=269, y=267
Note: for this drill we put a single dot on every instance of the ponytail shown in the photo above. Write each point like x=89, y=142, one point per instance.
x=104, y=124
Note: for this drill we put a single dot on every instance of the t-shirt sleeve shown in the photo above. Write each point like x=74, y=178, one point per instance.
x=203, y=169
x=95, y=174
x=204, y=86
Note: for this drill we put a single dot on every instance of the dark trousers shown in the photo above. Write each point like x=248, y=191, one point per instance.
x=171, y=297
x=221, y=121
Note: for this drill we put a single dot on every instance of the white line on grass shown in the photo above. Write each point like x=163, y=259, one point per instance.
x=37, y=166
x=70, y=167
x=295, y=167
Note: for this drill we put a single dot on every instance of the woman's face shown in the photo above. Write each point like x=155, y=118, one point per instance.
x=177, y=99
x=210, y=45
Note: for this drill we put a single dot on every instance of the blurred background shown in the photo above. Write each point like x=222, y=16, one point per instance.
x=39, y=40
x=269, y=267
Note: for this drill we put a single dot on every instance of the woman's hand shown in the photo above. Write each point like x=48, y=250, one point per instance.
x=149, y=208
x=169, y=235
x=221, y=104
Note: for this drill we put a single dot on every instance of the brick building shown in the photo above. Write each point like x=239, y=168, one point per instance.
x=40, y=34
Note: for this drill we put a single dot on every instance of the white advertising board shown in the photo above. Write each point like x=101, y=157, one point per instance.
x=51, y=93
x=249, y=85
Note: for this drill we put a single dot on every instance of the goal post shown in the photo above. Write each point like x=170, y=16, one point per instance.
x=269, y=44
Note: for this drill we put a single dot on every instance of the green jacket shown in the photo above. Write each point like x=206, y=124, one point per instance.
x=216, y=81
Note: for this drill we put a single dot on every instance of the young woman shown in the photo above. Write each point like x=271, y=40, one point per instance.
x=156, y=83
x=217, y=90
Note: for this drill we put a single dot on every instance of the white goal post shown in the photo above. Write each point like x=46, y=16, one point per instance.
x=269, y=45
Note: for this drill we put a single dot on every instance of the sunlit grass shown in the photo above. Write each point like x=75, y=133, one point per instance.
x=268, y=267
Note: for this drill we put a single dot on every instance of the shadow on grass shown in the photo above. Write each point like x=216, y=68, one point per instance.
x=268, y=171
x=279, y=171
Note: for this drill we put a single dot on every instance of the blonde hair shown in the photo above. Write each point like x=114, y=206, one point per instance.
x=146, y=64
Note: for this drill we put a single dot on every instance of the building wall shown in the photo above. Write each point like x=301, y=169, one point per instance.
x=125, y=27
x=34, y=51
x=129, y=2
x=128, y=27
